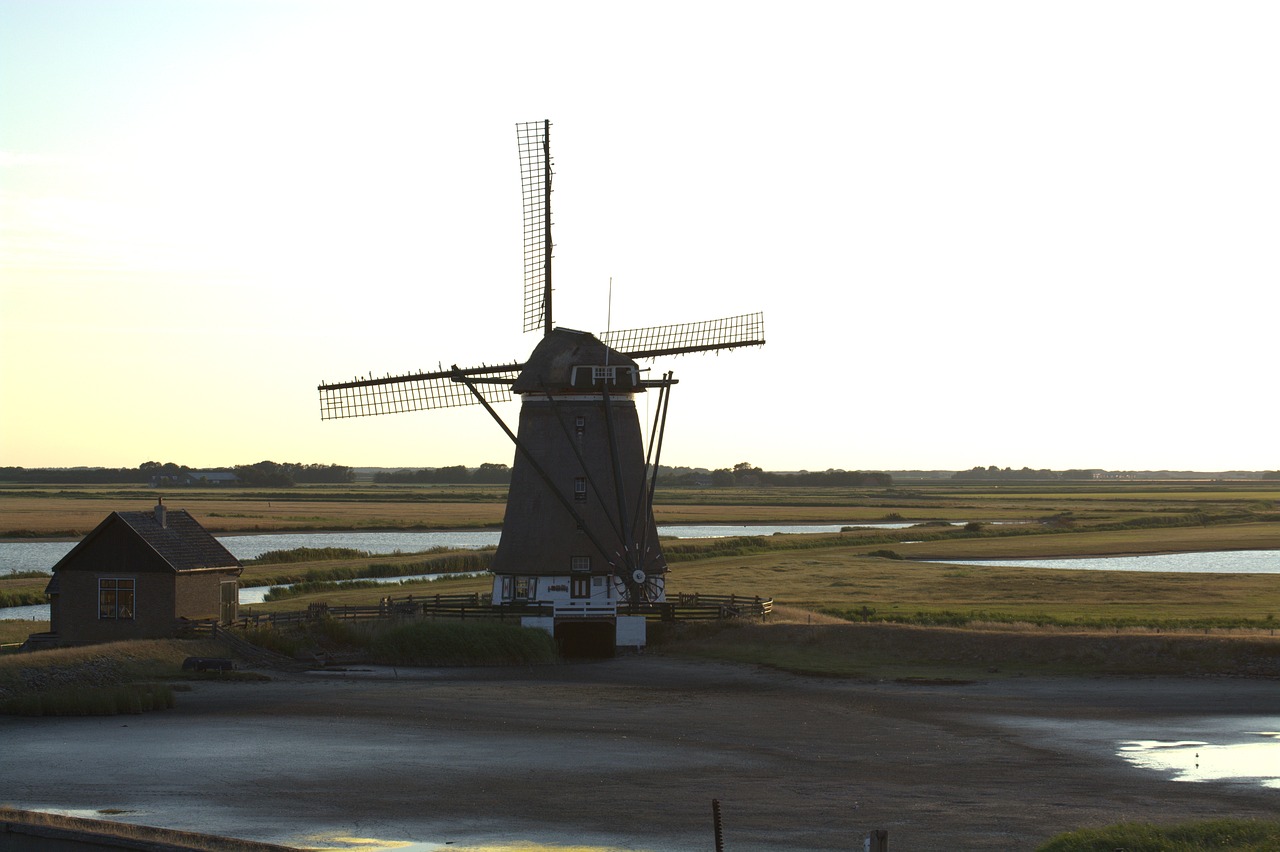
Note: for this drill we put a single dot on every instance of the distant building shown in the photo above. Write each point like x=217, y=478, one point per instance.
x=140, y=575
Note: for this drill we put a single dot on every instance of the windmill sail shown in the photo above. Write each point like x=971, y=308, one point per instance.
x=535, y=185
x=705, y=336
x=414, y=391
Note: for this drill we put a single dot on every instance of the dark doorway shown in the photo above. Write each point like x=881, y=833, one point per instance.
x=585, y=640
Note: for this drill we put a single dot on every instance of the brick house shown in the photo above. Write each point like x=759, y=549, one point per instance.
x=140, y=575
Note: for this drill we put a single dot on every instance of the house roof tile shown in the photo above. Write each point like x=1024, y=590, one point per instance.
x=181, y=541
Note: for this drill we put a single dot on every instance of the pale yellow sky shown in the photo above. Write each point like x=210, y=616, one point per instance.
x=981, y=233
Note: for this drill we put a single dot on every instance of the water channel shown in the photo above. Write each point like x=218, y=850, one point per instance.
x=43, y=555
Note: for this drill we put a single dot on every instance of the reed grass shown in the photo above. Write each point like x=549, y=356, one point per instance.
x=418, y=643
x=23, y=598
x=305, y=554
x=1220, y=834
x=440, y=562
x=894, y=651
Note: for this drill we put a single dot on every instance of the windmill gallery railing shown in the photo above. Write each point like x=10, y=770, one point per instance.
x=685, y=607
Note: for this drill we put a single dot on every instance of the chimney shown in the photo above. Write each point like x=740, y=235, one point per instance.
x=160, y=519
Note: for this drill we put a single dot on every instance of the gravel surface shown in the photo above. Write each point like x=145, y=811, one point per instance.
x=630, y=753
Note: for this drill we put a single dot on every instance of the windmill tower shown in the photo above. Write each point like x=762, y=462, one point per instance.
x=578, y=536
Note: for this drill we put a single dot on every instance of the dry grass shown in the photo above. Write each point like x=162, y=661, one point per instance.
x=108, y=664
x=71, y=511
x=837, y=580
x=894, y=651
x=16, y=632
x=75, y=516
x=1243, y=536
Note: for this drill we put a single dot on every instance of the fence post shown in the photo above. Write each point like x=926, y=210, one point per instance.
x=877, y=841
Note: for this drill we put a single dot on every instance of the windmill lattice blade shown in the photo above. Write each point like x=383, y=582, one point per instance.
x=535, y=186
x=414, y=392
x=727, y=333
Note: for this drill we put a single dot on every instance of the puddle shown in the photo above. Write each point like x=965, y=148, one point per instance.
x=1255, y=758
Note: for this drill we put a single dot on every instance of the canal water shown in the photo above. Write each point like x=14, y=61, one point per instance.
x=43, y=555
x=1214, y=562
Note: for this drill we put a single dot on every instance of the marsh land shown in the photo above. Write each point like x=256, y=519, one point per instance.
x=957, y=706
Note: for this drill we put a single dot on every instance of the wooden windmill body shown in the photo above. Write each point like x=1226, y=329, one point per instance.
x=578, y=537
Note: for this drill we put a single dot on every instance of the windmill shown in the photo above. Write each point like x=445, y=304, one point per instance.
x=578, y=534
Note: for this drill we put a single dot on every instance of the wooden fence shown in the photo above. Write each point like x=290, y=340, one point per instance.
x=477, y=606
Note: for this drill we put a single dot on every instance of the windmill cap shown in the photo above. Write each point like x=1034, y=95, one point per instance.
x=551, y=366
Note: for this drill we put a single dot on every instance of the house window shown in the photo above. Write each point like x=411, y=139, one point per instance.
x=115, y=598
x=522, y=589
x=579, y=489
x=579, y=563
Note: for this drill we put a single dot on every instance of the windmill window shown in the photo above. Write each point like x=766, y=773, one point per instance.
x=521, y=589
x=579, y=587
x=115, y=598
x=579, y=563
x=580, y=425
x=579, y=489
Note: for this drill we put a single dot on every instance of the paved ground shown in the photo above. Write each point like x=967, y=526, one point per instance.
x=631, y=752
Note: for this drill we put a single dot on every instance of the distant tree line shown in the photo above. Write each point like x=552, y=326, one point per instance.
x=292, y=473
x=745, y=474
x=73, y=475
x=1006, y=473
x=488, y=473
x=157, y=474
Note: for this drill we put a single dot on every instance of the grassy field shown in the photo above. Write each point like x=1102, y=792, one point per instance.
x=71, y=511
x=819, y=573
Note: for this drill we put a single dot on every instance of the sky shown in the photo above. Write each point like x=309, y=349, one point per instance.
x=1022, y=234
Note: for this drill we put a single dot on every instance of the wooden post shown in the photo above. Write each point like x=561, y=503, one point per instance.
x=877, y=841
x=719, y=828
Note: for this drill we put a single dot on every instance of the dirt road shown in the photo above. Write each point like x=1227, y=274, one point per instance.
x=629, y=753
